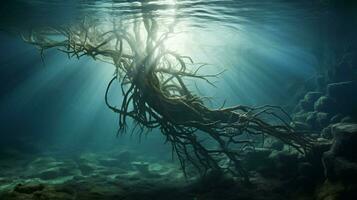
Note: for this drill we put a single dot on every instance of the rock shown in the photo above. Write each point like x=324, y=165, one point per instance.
x=322, y=119
x=142, y=167
x=312, y=96
x=277, y=145
x=307, y=104
x=325, y=104
x=314, y=156
x=327, y=132
x=273, y=144
x=307, y=176
x=311, y=120
x=336, y=119
x=321, y=140
x=342, y=89
x=301, y=126
x=345, y=95
x=320, y=147
x=345, y=170
x=284, y=162
x=339, y=168
x=300, y=117
x=345, y=140
x=340, y=162
x=28, y=188
x=347, y=119
x=256, y=158
x=343, y=70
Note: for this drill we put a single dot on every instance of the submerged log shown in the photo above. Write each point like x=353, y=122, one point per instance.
x=155, y=95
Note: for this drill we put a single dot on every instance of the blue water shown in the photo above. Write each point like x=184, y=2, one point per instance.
x=267, y=48
x=59, y=139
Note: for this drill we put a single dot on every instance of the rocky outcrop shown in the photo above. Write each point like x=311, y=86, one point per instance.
x=345, y=94
x=339, y=104
x=340, y=162
x=325, y=104
x=307, y=104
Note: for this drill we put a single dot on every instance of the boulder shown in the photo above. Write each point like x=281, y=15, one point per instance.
x=300, y=116
x=314, y=156
x=342, y=89
x=311, y=120
x=344, y=93
x=285, y=162
x=339, y=168
x=322, y=119
x=336, y=118
x=343, y=70
x=277, y=145
x=325, y=104
x=345, y=140
x=142, y=167
x=312, y=96
x=340, y=162
x=307, y=104
x=256, y=158
x=347, y=119
x=327, y=132
x=317, y=120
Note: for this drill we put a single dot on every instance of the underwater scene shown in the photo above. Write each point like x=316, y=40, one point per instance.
x=178, y=100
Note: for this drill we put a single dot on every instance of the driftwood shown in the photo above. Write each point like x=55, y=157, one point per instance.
x=155, y=94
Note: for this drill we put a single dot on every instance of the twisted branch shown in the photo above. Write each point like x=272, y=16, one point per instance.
x=155, y=95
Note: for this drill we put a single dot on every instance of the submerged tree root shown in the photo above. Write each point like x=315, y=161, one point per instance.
x=155, y=95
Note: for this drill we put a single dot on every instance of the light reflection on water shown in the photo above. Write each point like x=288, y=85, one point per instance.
x=266, y=47
x=263, y=44
x=198, y=12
